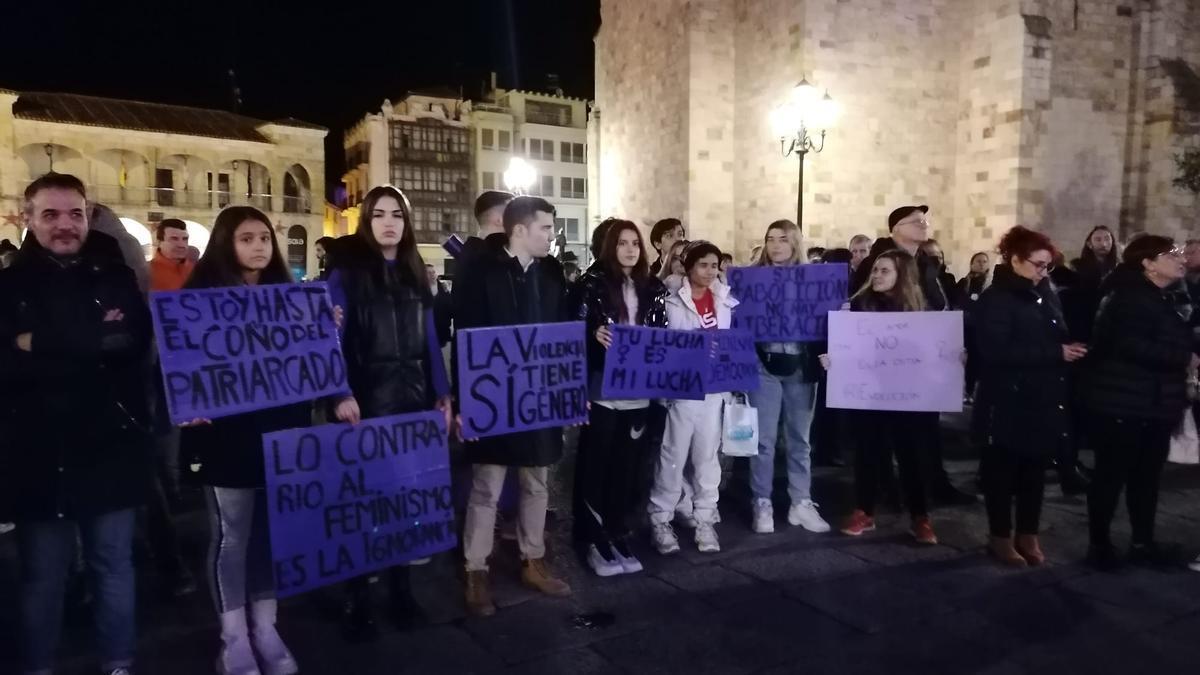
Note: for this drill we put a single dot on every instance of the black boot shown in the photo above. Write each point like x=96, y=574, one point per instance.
x=406, y=612
x=358, y=620
x=1104, y=558
x=1072, y=481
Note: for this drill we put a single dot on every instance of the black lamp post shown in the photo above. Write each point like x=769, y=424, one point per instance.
x=805, y=113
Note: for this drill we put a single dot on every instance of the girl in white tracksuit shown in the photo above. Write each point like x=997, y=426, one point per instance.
x=693, y=430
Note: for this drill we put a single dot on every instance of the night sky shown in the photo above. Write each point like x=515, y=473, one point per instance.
x=329, y=65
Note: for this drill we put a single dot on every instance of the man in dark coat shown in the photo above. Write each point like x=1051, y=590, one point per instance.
x=74, y=337
x=489, y=213
x=518, y=284
x=909, y=228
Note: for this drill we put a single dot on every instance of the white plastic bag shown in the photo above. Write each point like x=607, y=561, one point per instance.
x=1185, y=442
x=739, y=428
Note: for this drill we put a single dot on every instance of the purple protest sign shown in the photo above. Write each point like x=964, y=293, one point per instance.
x=232, y=350
x=348, y=500
x=734, y=364
x=521, y=378
x=788, y=303
x=656, y=363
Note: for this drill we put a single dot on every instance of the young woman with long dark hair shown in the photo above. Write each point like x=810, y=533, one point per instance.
x=619, y=290
x=787, y=389
x=242, y=251
x=893, y=286
x=393, y=360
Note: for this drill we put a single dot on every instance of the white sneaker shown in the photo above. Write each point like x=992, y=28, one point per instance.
x=664, y=538
x=629, y=562
x=706, y=538
x=1195, y=564
x=602, y=566
x=805, y=515
x=764, y=516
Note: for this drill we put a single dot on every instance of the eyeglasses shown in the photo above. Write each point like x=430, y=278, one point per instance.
x=1177, y=252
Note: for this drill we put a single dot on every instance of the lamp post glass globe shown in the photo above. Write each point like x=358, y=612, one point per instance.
x=804, y=109
x=519, y=176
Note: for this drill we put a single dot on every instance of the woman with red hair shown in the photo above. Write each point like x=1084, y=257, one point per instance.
x=1021, y=409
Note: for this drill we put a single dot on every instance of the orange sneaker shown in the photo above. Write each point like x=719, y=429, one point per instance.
x=922, y=531
x=857, y=523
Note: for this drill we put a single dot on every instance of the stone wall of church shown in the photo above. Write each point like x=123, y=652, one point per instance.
x=1057, y=114
x=642, y=93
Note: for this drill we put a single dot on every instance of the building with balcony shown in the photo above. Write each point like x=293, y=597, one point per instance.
x=550, y=132
x=443, y=150
x=422, y=145
x=150, y=161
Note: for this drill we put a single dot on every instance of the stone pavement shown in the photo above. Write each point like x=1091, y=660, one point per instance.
x=790, y=602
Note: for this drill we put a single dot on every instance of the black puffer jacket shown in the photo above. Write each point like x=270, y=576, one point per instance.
x=937, y=297
x=76, y=418
x=386, y=339
x=1019, y=332
x=496, y=293
x=596, y=309
x=1140, y=351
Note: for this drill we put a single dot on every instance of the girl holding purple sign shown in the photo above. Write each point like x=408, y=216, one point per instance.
x=393, y=361
x=787, y=375
x=619, y=290
x=693, y=432
x=892, y=286
x=243, y=250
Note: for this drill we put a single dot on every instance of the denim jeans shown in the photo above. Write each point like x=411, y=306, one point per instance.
x=46, y=550
x=795, y=399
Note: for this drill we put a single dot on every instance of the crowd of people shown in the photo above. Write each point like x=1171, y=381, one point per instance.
x=1098, y=354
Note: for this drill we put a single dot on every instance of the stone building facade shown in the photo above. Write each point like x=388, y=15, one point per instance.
x=150, y=161
x=1058, y=114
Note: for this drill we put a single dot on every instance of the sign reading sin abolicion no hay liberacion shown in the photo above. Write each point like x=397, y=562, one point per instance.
x=787, y=303
x=232, y=350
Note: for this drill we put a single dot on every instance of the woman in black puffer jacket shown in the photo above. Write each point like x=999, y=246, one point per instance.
x=1137, y=391
x=1021, y=412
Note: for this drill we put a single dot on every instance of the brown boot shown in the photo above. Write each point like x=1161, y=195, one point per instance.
x=536, y=575
x=1002, y=549
x=1029, y=549
x=479, y=596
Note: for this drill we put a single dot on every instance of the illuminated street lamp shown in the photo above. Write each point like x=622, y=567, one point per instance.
x=805, y=113
x=519, y=176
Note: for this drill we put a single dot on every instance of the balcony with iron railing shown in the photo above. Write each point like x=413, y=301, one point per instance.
x=117, y=195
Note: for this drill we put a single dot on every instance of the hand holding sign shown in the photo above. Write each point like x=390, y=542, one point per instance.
x=347, y=411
